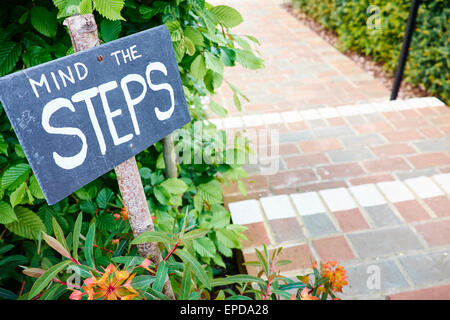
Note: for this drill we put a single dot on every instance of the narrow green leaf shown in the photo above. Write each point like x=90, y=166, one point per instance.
x=89, y=246
x=186, y=282
x=56, y=245
x=76, y=235
x=153, y=236
x=59, y=233
x=199, y=272
x=45, y=279
x=240, y=278
x=237, y=102
x=194, y=234
x=161, y=276
x=142, y=282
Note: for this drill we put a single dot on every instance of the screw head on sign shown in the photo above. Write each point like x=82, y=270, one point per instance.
x=100, y=58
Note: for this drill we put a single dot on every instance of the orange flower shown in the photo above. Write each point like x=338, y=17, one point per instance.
x=123, y=213
x=304, y=295
x=112, y=285
x=336, y=274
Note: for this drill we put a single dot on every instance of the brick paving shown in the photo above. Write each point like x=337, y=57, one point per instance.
x=341, y=173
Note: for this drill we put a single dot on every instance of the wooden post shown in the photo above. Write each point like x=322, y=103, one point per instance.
x=83, y=32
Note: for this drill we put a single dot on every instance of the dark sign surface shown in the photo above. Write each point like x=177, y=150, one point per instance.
x=79, y=116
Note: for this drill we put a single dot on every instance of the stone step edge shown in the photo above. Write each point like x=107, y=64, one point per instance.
x=256, y=120
x=274, y=207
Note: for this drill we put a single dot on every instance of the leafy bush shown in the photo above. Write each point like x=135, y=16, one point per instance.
x=31, y=33
x=429, y=56
x=130, y=277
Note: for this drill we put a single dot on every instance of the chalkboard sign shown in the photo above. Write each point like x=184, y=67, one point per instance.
x=79, y=116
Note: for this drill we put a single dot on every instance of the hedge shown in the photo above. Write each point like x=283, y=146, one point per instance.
x=429, y=56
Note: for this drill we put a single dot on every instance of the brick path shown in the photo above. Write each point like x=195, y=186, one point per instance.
x=302, y=70
x=358, y=179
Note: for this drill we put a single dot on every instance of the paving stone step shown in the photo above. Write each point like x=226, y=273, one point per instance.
x=400, y=229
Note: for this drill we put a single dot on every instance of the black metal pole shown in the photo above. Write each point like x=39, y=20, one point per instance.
x=405, y=48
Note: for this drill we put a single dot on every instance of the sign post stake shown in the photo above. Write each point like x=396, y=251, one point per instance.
x=83, y=32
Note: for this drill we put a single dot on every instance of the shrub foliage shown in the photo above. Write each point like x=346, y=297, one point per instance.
x=429, y=55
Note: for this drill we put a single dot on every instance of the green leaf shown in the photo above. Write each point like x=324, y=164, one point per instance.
x=56, y=245
x=145, y=173
x=157, y=294
x=194, y=234
x=230, y=17
x=59, y=234
x=110, y=30
x=28, y=224
x=153, y=236
x=186, y=282
x=227, y=238
x=211, y=192
x=175, y=186
x=110, y=9
x=85, y=7
x=9, y=55
x=89, y=246
x=198, y=67
x=47, y=214
x=60, y=4
x=240, y=278
x=7, y=214
x=237, y=102
x=248, y=60
x=45, y=279
x=228, y=56
x=161, y=276
x=213, y=62
x=106, y=222
x=43, y=21
x=8, y=295
x=196, y=267
x=218, y=109
x=88, y=206
x=204, y=247
x=6, y=248
x=35, y=188
x=18, y=195
x=189, y=46
x=15, y=175
x=76, y=235
x=36, y=55
x=194, y=35
x=104, y=196
x=142, y=282
x=238, y=297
